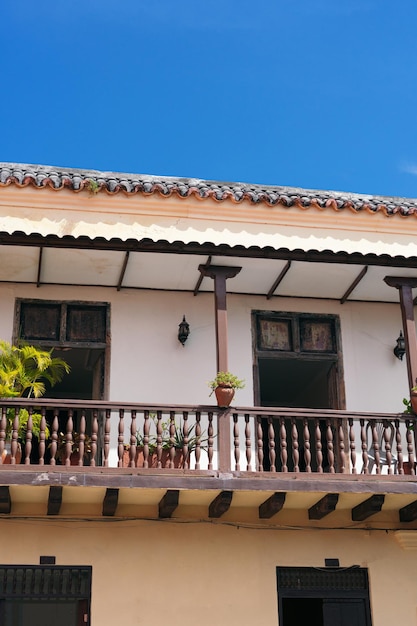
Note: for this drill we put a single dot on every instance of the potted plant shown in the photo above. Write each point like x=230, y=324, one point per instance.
x=224, y=386
x=24, y=370
x=75, y=457
x=172, y=437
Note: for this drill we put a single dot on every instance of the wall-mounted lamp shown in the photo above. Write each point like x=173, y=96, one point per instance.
x=183, y=331
x=399, y=349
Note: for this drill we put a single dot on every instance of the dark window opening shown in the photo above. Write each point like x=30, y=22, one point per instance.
x=323, y=597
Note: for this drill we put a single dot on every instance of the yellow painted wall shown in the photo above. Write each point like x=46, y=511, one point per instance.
x=158, y=572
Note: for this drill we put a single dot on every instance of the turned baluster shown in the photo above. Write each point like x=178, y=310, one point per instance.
x=107, y=438
x=146, y=429
x=399, y=447
x=15, y=434
x=411, y=456
x=132, y=446
x=248, y=443
x=236, y=450
x=210, y=440
x=319, y=446
x=42, y=437
x=54, y=437
x=29, y=434
x=120, y=439
x=352, y=445
x=330, y=450
x=197, y=451
x=81, y=439
x=68, y=438
x=172, y=428
x=283, y=445
x=259, y=444
x=3, y=426
x=342, y=458
x=365, y=457
x=271, y=445
x=185, y=449
x=295, y=451
x=409, y=439
x=159, y=439
x=94, y=438
x=387, y=444
x=375, y=446
x=307, y=448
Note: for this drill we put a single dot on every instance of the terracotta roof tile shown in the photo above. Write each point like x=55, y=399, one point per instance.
x=113, y=183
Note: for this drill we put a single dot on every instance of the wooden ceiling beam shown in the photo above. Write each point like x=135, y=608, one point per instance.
x=220, y=504
x=123, y=270
x=278, y=280
x=5, y=500
x=169, y=503
x=54, y=500
x=272, y=505
x=408, y=513
x=354, y=284
x=367, y=508
x=38, y=277
x=324, y=506
x=110, y=502
x=200, y=279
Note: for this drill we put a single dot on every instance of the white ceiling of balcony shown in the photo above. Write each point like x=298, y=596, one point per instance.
x=151, y=270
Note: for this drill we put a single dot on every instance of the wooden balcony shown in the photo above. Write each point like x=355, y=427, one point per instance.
x=264, y=453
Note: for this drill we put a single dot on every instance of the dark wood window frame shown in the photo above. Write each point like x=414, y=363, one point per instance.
x=64, y=309
x=294, y=321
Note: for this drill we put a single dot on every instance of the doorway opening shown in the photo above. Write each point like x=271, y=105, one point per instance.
x=323, y=597
x=297, y=364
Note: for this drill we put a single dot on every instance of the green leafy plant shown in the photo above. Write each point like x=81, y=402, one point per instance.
x=177, y=440
x=75, y=445
x=226, y=379
x=24, y=370
x=92, y=185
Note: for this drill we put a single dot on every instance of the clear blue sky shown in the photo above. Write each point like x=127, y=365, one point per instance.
x=310, y=93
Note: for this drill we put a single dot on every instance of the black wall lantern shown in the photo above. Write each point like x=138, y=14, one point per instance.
x=183, y=331
x=399, y=349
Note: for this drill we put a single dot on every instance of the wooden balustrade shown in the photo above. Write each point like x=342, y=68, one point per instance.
x=255, y=439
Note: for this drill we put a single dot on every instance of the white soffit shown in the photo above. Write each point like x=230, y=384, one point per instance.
x=256, y=276
x=372, y=287
x=81, y=267
x=162, y=271
x=18, y=264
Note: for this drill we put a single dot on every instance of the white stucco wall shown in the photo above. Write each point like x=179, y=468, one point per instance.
x=149, y=364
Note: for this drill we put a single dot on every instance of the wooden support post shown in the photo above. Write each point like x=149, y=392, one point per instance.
x=220, y=274
x=405, y=285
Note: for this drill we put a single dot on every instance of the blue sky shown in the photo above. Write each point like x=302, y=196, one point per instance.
x=310, y=93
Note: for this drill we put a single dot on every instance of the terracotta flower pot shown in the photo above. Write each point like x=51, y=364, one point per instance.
x=224, y=395
x=6, y=456
x=153, y=458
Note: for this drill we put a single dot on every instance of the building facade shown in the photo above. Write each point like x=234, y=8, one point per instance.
x=299, y=500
